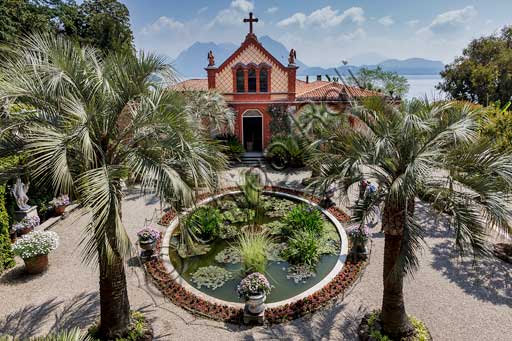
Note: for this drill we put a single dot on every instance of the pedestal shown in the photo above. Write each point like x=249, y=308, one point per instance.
x=250, y=318
x=28, y=213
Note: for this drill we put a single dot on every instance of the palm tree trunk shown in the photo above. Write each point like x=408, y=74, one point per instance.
x=394, y=318
x=114, y=303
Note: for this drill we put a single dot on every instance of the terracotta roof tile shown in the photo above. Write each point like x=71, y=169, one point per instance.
x=322, y=90
x=314, y=91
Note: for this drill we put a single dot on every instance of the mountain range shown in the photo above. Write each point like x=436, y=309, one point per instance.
x=192, y=61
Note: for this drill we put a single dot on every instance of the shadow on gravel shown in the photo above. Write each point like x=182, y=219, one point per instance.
x=486, y=279
x=80, y=311
x=319, y=326
x=18, y=275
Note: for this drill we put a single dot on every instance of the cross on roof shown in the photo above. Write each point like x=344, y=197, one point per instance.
x=250, y=21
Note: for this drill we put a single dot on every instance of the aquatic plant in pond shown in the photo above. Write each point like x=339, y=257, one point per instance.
x=303, y=218
x=212, y=277
x=205, y=222
x=253, y=248
x=303, y=248
x=275, y=252
x=299, y=273
x=274, y=227
x=230, y=255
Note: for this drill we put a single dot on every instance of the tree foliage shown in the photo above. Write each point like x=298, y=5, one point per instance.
x=483, y=73
x=96, y=121
x=423, y=150
x=104, y=24
x=391, y=83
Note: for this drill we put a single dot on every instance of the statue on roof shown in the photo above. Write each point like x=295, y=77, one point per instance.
x=292, y=57
x=211, y=58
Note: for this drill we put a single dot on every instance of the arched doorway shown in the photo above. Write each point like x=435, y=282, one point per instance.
x=252, y=130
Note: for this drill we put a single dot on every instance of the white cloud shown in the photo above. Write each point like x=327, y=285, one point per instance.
x=413, y=23
x=324, y=17
x=272, y=10
x=233, y=15
x=358, y=34
x=202, y=10
x=386, y=21
x=450, y=21
x=242, y=5
x=163, y=23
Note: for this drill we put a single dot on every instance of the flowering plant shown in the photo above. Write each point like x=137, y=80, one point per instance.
x=148, y=234
x=36, y=243
x=253, y=283
x=27, y=222
x=360, y=234
x=62, y=200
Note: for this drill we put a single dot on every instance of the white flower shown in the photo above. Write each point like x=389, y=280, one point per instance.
x=36, y=243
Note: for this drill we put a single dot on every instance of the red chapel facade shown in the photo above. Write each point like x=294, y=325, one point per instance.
x=252, y=79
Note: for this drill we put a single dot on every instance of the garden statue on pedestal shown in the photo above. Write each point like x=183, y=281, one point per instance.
x=19, y=191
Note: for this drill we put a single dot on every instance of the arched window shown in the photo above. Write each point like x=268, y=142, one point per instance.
x=252, y=80
x=263, y=80
x=240, y=80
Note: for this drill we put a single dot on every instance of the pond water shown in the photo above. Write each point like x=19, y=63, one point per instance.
x=276, y=271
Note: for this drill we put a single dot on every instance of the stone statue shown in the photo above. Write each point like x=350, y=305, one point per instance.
x=211, y=58
x=292, y=57
x=20, y=194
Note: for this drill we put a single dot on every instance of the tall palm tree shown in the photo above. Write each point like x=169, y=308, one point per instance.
x=94, y=122
x=416, y=150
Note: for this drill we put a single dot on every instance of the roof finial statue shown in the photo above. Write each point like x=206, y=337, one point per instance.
x=211, y=58
x=20, y=194
x=292, y=57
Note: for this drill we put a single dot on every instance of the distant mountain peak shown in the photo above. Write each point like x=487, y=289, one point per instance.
x=192, y=61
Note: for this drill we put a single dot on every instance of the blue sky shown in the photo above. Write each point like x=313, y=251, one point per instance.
x=323, y=32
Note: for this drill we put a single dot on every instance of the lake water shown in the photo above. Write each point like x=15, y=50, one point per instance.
x=419, y=86
x=423, y=85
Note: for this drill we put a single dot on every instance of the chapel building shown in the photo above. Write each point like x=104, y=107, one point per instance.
x=252, y=79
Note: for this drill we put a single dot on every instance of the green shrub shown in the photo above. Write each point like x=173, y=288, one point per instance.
x=303, y=218
x=303, y=248
x=6, y=255
x=291, y=149
x=253, y=249
x=233, y=148
x=205, y=222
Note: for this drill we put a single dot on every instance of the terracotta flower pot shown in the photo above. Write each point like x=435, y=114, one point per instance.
x=24, y=231
x=59, y=210
x=37, y=264
x=12, y=236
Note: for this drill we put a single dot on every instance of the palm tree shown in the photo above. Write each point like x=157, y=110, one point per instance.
x=416, y=150
x=94, y=123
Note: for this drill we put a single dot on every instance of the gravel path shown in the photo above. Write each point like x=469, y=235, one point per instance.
x=457, y=301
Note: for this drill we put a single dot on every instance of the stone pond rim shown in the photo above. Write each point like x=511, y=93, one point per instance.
x=175, y=275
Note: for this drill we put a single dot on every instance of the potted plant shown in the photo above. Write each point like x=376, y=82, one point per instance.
x=60, y=203
x=254, y=288
x=148, y=238
x=34, y=248
x=26, y=225
x=359, y=237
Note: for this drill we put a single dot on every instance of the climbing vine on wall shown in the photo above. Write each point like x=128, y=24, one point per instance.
x=280, y=124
